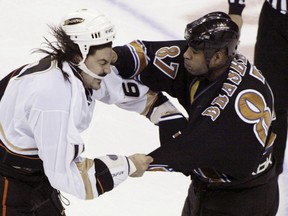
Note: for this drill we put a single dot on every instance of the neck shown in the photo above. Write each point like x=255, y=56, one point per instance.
x=214, y=73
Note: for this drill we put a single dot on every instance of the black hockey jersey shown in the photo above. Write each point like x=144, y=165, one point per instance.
x=157, y=64
x=229, y=137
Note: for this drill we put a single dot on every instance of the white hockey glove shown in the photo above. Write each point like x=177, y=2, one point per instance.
x=162, y=110
x=119, y=166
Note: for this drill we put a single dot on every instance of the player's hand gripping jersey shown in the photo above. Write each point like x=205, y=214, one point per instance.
x=42, y=117
x=210, y=146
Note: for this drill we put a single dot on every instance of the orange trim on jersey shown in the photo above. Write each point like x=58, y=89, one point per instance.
x=99, y=183
x=151, y=100
x=32, y=157
x=141, y=55
x=5, y=192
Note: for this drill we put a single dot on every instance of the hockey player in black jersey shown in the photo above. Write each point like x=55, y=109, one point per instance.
x=227, y=143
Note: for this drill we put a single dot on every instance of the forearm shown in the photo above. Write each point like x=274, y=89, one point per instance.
x=235, y=11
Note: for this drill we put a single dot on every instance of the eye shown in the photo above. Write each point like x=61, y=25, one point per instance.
x=194, y=52
x=103, y=62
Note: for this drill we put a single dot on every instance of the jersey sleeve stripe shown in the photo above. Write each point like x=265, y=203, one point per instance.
x=140, y=57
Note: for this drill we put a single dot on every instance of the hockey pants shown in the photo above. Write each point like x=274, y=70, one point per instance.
x=27, y=194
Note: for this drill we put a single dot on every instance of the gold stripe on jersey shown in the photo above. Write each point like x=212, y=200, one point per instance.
x=271, y=140
x=193, y=90
x=141, y=57
x=151, y=99
x=16, y=148
x=83, y=168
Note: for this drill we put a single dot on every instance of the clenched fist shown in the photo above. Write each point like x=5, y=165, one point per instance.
x=141, y=162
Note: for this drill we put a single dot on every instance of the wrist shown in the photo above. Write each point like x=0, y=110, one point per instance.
x=132, y=167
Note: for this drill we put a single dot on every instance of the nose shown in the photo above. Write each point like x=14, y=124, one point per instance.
x=107, y=69
x=187, y=55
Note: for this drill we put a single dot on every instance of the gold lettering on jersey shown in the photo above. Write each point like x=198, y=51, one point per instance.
x=239, y=66
x=221, y=101
x=212, y=111
x=257, y=74
x=234, y=77
x=229, y=88
x=237, y=70
x=242, y=59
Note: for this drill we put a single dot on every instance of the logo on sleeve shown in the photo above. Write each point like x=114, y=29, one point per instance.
x=251, y=107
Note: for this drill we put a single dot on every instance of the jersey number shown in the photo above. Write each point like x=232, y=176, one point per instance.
x=172, y=52
x=130, y=89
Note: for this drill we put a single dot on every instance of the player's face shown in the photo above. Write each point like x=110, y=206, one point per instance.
x=98, y=63
x=195, y=62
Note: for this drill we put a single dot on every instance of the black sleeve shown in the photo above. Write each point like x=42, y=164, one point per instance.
x=4, y=82
x=171, y=126
x=201, y=147
x=125, y=63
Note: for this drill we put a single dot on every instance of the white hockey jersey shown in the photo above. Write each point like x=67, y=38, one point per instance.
x=42, y=116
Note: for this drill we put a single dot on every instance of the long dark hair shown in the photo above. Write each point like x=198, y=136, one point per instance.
x=64, y=49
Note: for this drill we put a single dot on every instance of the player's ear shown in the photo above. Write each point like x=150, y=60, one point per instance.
x=77, y=59
x=219, y=58
x=114, y=57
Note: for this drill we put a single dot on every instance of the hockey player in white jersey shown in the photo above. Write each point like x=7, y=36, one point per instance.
x=46, y=105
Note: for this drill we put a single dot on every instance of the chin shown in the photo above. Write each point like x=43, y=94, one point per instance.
x=190, y=71
x=96, y=87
